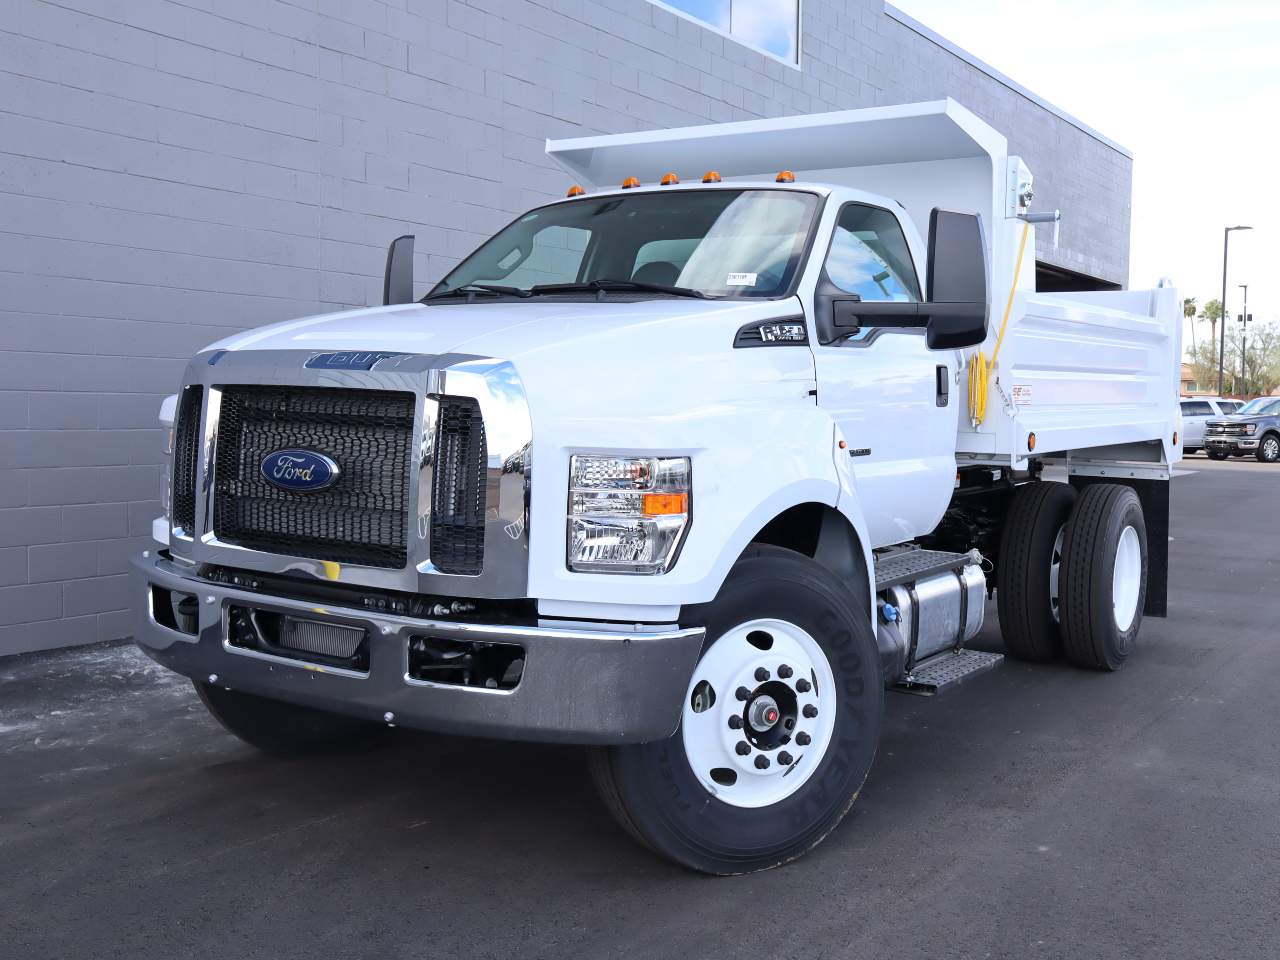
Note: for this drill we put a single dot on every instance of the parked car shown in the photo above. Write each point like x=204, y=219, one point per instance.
x=1254, y=429
x=1196, y=412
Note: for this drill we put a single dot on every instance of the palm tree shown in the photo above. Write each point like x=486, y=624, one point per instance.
x=1213, y=313
x=1189, y=312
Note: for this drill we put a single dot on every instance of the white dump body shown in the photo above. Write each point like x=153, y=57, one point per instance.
x=1083, y=371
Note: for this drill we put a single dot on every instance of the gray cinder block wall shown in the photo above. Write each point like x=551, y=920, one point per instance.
x=175, y=170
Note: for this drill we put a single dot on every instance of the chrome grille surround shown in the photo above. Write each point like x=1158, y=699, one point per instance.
x=492, y=383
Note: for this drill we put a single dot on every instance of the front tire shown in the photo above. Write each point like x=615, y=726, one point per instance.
x=778, y=731
x=1104, y=577
x=285, y=729
x=1269, y=449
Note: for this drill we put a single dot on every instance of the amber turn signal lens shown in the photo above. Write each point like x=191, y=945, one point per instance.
x=669, y=178
x=1031, y=441
x=575, y=191
x=785, y=176
x=711, y=177
x=1175, y=438
x=665, y=504
x=630, y=182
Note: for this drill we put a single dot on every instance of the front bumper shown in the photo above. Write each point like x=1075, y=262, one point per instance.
x=609, y=685
x=1231, y=444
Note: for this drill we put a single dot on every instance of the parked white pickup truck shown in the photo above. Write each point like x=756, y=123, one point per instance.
x=690, y=470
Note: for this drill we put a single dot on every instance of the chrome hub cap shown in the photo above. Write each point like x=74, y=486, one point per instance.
x=1055, y=569
x=1126, y=579
x=759, y=714
x=1271, y=449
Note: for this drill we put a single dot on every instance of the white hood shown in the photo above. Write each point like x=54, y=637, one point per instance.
x=498, y=329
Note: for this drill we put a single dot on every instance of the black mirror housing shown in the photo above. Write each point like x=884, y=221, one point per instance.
x=397, y=281
x=959, y=297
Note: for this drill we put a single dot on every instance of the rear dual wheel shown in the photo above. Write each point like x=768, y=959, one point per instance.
x=1072, y=574
x=778, y=731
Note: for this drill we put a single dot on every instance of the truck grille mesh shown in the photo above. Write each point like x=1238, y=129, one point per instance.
x=458, y=499
x=186, y=451
x=362, y=518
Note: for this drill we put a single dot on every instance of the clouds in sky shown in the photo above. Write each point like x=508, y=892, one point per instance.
x=1192, y=89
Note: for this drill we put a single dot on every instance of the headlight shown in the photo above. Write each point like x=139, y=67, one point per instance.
x=627, y=514
x=1251, y=428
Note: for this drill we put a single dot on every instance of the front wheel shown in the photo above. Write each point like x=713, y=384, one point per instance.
x=778, y=730
x=1269, y=449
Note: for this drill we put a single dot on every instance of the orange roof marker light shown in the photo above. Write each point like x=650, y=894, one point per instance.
x=785, y=176
x=575, y=191
x=711, y=176
x=669, y=178
x=630, y=182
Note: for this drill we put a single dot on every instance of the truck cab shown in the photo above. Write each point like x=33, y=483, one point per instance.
x=687, y=467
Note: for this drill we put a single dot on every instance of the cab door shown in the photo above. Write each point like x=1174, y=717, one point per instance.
x=894, y=400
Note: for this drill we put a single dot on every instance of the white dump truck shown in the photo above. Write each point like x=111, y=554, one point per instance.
x=688, y=467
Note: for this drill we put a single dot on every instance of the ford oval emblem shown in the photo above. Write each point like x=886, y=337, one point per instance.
x=302, y=471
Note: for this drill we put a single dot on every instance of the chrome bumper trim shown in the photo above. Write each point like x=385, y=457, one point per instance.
x=611, y=685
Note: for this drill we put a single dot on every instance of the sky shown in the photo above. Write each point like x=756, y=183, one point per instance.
x=1191, y=89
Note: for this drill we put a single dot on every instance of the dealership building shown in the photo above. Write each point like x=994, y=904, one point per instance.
x=172, y=171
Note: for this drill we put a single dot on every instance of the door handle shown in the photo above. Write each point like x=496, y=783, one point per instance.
x=943, y=395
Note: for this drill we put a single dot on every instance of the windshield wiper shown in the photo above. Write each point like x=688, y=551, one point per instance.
x=470, y=289
x=604, y=285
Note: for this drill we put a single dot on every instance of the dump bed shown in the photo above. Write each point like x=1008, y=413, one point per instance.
x=1086, y=373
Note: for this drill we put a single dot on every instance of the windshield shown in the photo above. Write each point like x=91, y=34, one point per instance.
x=719, y=243
x=1259, y=405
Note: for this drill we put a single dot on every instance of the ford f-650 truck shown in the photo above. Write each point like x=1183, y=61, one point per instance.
x=688, y=467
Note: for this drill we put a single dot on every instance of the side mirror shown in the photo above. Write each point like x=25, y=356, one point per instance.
x=959, y=300
x=397, y=282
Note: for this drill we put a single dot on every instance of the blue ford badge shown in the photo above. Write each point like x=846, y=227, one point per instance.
x=303, y=471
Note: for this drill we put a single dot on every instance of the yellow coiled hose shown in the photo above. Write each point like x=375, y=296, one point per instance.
x=979, y=366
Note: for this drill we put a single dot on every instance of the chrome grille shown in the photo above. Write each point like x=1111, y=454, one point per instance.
x=186, y=454
x=362, y=518
x=458, y=497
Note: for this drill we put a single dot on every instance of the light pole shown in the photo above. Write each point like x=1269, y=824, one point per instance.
x=1244, y=337
x=1222, y=337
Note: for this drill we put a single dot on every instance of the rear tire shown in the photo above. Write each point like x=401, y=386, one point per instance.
x=1104, y=577
x=699, y=797
x=1026, y=576
x=285, y=729
x=1269, y=448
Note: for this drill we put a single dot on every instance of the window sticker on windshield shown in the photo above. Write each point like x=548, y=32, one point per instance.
x=740, y=280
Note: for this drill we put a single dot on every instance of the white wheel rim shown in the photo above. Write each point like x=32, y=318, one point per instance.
x=1055, y=571
x=1270, y=448
x=1126, y=578
x=713, y=734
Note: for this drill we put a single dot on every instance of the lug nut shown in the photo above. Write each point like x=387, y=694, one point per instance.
x=743, y=749
x=742, y=693
x=785, y=672
x=785, y=758
x=735, y=722
x=810, y=710
x=761, y=674
x=803, y=739
x=803, y=685
x=762, y=762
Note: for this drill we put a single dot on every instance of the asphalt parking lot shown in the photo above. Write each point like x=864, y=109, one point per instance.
x=1033, y=812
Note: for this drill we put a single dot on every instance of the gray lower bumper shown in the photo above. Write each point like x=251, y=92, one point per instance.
x=597, y=686
x=1232, y=444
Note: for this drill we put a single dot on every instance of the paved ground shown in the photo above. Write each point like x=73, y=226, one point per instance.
x=1035, y=812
